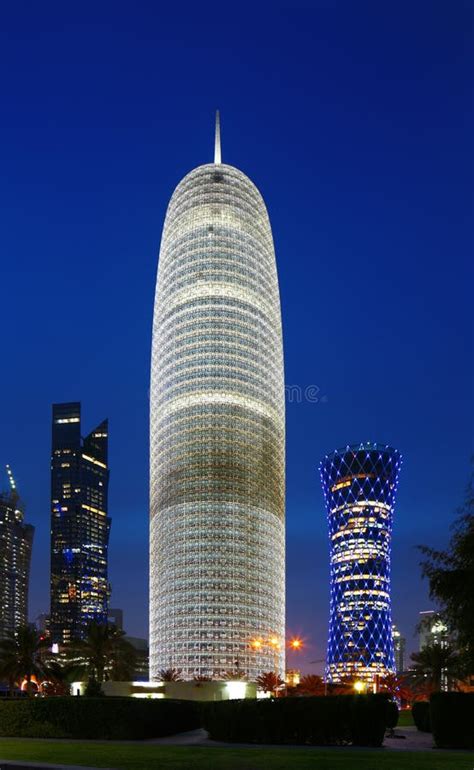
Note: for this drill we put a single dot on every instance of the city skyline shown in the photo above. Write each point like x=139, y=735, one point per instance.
x=365, y=184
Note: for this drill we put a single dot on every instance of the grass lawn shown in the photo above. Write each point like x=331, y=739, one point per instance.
x=148, y=757
x=405, y=718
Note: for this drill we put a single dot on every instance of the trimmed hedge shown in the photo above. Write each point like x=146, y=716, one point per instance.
x=358, y=720
x=452, y=719
x=421, y=716
x=101, y=718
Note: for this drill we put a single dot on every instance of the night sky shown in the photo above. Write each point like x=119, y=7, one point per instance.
x=355, y=121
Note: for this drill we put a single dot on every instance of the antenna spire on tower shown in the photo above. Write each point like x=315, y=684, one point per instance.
x=10, y=478
x=217, y=142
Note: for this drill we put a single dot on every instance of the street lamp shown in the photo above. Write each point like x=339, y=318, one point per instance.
x=295, y=643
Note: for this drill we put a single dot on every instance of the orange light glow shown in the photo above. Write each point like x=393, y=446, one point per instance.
x=274, y=641
x=296, y=644
x=256, y=644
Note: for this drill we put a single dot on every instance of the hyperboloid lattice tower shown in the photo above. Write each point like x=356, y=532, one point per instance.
x=359, y=484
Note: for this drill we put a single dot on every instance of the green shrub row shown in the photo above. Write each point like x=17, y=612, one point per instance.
x=452, y=719
x=421, y=716
x=358, y=720
x=101, y=718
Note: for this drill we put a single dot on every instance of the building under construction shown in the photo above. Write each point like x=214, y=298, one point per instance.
x=16, y=540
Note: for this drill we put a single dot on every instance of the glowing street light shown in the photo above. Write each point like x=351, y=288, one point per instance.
x=359, y=686
x=295, y=644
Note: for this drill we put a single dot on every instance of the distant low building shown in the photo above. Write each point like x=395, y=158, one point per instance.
x=293, y=677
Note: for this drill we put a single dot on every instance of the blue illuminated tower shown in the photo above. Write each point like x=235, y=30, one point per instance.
x=359, y=484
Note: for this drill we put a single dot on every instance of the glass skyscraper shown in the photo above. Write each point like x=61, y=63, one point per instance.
x=16, y=540
x=359, y=484
x=217, y=434
x=80, y=525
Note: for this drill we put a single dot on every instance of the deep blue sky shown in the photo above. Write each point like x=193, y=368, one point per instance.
x=355, y=121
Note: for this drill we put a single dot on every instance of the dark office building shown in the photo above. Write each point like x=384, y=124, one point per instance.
x=115, y=618
x=79, y=525
x=16, y=540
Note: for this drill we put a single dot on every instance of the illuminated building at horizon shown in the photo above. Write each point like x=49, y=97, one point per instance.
x=433, y=630
x=80, y=525
x=399, y=643
x=16, y=542
x=359, y=484
x=217, y=433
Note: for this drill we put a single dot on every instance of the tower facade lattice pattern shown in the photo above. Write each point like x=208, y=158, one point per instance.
x=217, y=434
x=359, y=485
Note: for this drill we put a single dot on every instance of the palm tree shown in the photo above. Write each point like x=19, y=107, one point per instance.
x=312, y=684
x=57, y=678
x=435, y=663
x=122, y=662
x=22, y=656
x=270, y=682
x=104, y=653
x=170, y=675
x=234, y=675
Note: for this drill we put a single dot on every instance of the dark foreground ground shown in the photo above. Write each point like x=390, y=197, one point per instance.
x=397, y=755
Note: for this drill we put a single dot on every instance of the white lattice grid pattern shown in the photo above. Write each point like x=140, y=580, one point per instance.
x=217, y=433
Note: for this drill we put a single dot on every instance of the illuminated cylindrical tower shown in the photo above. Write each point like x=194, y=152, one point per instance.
x=359, y=484
x=217, y=434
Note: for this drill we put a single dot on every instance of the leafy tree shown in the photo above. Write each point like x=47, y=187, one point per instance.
x=270, y=682
x=170, y=675
x=22, y=656
x=103, y=654
x=311, y=684
x=434, y=662
x=93, y=689
x=451, y=578
x=397, y=687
